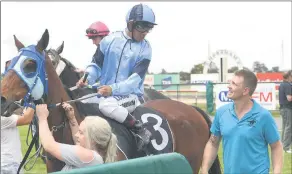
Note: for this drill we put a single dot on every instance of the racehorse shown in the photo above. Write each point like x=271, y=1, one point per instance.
x=69, y=76
x=33, y=68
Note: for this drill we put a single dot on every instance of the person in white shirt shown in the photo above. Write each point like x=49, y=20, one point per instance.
x=11, y=155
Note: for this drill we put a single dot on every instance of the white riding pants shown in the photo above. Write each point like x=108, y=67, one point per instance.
x=116, y=107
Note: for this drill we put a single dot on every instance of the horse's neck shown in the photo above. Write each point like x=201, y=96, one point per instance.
x=56, y=91
x=68, y=77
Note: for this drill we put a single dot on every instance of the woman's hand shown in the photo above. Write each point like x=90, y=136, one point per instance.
x=42, y=112
x=69, y=110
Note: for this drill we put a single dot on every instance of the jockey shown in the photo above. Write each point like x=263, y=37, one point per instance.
x=96, y=32
x=120, y=66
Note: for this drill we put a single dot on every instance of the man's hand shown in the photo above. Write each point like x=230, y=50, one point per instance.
x=105, y=90
x=78, y=70
x=80, y=83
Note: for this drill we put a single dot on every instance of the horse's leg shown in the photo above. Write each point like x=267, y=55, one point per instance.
x=189, y=128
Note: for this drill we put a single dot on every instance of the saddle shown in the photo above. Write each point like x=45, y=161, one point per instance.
x=162, y=137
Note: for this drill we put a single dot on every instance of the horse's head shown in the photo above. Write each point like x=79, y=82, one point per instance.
x=64, y=68
x=25, y=76
x=54, y=55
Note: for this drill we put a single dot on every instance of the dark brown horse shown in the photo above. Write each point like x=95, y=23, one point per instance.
x=190, y=129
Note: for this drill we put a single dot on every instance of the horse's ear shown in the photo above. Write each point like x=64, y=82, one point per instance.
x=60, y=48
x=18, y=44
x=43, y=43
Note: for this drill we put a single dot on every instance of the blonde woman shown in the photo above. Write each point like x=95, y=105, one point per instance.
x=94, y=140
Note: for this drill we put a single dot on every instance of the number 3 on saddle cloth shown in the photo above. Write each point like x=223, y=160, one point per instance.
x=162, y=137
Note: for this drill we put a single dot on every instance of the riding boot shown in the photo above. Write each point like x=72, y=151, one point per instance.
x=136, y=126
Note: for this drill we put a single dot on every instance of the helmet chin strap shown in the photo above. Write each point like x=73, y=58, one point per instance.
x=131, y=30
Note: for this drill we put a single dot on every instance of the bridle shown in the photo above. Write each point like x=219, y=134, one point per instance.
x=36, y=82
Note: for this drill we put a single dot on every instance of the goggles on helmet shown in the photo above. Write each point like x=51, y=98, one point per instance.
x=143, y=26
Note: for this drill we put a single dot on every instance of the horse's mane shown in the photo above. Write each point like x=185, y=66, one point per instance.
x=68, y=63
x=153, y=94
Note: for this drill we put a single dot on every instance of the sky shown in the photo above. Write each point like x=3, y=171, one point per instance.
x=254, y=31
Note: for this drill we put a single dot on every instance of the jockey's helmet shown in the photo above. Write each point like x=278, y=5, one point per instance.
x=141, y=13
x=97, y=29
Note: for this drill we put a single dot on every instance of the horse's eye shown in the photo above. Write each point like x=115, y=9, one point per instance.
x=29, y=66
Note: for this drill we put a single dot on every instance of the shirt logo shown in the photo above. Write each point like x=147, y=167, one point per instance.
x=251, y=122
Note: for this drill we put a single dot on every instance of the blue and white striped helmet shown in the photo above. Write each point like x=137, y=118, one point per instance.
x=141, y=12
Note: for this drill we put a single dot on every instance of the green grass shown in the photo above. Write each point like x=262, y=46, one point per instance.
x=40, y=167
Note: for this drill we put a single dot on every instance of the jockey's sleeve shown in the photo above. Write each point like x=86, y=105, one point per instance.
x=135, y=80
x=98, y=57
x=94, y=69
x=94, y=73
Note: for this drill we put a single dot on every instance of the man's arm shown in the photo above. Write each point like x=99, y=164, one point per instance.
x=277, y=157
x=288, y=91
x=138, y=73
x=289, y=97
x=272, y=137
x=210, y=153
x=94, y=69
x=129, y=85
x=211, y=148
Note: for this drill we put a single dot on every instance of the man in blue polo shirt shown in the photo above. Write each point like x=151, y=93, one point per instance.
x=246, y=129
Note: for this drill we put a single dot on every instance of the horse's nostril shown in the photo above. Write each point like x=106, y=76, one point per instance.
x=3, y=100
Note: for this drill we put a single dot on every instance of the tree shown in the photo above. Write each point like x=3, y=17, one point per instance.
x=197, y=69
x=148, y=72
x=213, y=68
x=232, y=69
x=163, y=71
x=246, y=68
x=184, y=76
x=275, y=69
x=259, y=67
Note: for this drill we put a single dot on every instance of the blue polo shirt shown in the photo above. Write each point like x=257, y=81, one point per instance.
x=245, y=141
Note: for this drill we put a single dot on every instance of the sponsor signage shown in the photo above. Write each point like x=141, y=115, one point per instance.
x=166, y=82
x=149, y=80
x=265, y=95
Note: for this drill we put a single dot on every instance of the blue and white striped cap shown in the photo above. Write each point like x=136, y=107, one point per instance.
x=141, y=12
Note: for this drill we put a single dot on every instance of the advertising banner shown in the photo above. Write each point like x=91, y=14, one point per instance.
x=166, y=81
x=265, y=95
x=149, y=80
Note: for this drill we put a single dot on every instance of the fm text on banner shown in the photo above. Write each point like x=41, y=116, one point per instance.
x=265, y=95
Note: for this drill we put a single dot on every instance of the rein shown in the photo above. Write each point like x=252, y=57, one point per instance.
x=53, y=129
x=40, y=77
